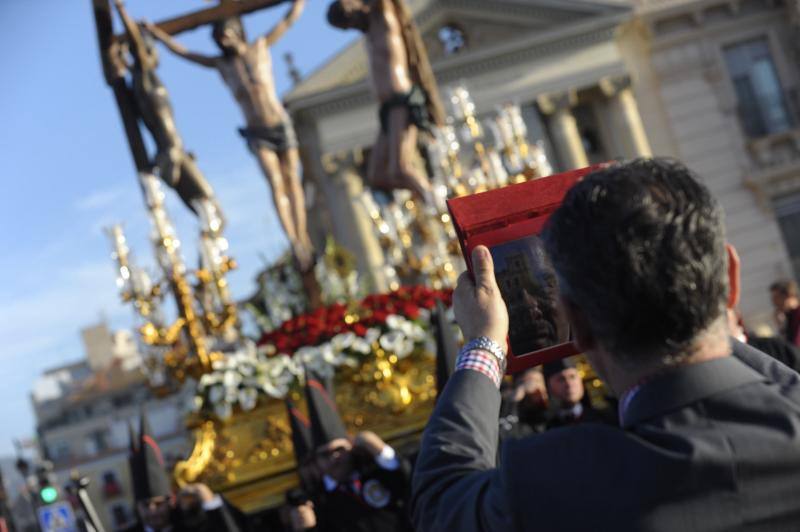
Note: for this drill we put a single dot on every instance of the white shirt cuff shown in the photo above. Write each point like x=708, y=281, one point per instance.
x=387, y=459
x=213, y=504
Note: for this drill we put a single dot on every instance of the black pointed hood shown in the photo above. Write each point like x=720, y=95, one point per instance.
x=301, y=432
x=326, y=424
x=133, y=448
x=132, y=440
x=557, y=366
x=446, y=347
x=147, y=468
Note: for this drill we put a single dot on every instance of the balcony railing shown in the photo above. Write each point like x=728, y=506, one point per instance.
x=773, y=141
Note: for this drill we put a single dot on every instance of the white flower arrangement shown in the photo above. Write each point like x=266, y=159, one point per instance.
x=243, y=377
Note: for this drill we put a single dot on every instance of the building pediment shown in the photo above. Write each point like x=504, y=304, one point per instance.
x=483, y=25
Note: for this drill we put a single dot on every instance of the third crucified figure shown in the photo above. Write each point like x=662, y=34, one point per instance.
x=246, y=68
x=404, y=86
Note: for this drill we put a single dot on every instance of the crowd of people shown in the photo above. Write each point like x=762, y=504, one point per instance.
x=348, y=483
x=700, y=431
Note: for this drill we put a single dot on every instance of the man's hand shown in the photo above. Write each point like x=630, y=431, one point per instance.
x=370, y=442
x=201, y=491
x=479, y=307
x=303, y=517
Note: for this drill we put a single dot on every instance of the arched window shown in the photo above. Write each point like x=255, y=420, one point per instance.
x=453, y=39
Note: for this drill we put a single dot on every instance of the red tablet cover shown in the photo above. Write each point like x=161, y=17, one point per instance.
x=502, y=216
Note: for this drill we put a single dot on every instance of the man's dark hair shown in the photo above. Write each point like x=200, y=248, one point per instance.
x=639, y=247
x=219, y=28
x=784, y=287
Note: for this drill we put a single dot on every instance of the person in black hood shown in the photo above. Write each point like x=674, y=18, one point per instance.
x=158, y=508
x=363, y=483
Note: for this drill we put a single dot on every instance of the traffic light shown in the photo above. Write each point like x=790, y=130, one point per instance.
x=48, y=493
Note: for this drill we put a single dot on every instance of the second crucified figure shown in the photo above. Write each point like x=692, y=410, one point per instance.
x=404, y=86
x=246, y=68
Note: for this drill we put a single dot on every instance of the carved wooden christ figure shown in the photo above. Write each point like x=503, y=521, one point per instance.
x=246, y=68
x=403, y=83
x=175, y=166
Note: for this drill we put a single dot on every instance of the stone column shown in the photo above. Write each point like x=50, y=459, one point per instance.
x=352, y=226
x=626, y=122
x=334, y=207
x=564, y=129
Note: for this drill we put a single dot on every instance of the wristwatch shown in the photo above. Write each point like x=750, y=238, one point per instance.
x=484, y=343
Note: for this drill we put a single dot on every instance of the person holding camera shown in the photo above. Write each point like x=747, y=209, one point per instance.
x=710, y=427
x=362, y=483
x=195, y=507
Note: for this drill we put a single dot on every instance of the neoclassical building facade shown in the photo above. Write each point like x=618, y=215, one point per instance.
x=712, y=82
x=716, y=83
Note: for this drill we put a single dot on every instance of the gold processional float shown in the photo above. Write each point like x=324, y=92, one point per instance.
x=378, y=348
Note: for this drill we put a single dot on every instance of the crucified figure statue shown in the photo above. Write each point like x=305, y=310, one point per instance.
x=403, y=84
x=246, y=68
x=175, y=166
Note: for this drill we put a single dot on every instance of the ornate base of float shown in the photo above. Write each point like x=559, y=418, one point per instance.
x=250, y=460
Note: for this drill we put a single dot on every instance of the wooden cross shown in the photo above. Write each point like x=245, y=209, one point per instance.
x=108, y=44
x=225, y=9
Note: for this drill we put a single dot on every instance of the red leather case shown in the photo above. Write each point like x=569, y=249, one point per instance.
x=512, y=213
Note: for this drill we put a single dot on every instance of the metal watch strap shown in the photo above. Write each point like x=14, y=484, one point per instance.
x=484, y=343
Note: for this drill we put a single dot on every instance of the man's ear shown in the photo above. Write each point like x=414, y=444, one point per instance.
x=581, y=331
x=733, y=276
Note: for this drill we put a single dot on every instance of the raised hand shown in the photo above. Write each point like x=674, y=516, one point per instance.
x=479, y=306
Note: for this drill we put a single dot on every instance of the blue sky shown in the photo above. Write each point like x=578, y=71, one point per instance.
x=67, y=173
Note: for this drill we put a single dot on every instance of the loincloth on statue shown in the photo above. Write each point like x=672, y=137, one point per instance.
x=415, y=101
x=278, y=138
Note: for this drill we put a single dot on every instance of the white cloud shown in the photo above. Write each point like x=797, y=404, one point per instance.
x=100, y=199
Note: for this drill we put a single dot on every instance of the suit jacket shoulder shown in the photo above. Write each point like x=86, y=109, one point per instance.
x=701, y=454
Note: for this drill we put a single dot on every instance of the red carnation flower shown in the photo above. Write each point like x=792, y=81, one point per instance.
x=410, y=310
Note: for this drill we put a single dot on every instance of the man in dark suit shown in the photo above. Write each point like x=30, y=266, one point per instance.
x=775, y=346
x=710, y=428
x=786, y=301
x=569, y=404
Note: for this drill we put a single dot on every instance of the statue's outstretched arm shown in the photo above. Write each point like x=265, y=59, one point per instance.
x=286, y=22
x=178, y=49
x=135, y=39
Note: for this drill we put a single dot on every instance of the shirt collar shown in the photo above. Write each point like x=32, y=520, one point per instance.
x=682, y=386
x=575, y=411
